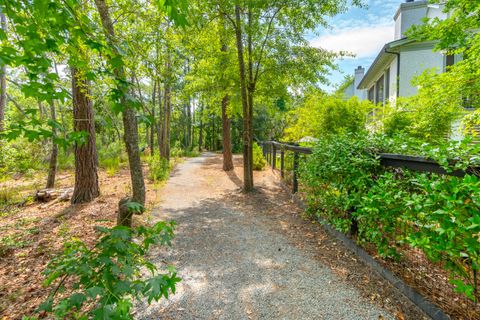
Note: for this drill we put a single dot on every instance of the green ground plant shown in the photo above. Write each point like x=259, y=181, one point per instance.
x=159, y=168
x=21, y=157
x=259, y=161
x=319, y=114
x=110, y=276
x=346, y=185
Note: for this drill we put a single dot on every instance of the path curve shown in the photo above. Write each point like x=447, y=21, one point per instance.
x=236, y=255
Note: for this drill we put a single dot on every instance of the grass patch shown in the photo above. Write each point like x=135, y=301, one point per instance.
x=12, y=242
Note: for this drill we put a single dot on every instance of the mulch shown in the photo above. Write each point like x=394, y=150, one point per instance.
x=37, y=233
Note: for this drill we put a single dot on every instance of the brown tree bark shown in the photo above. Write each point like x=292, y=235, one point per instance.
x=189, y=125
x=227, y=140
x=226, y=122
x=200, y=134
x=159, y=123
x=247, y=145
x=86, y=177
x=153, y=124
x=3, y=81
x=128, y=115
x=167, y=107
x=251, y=91
x=52, y=170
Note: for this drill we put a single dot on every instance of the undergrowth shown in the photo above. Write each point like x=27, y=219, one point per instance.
x=346, y=185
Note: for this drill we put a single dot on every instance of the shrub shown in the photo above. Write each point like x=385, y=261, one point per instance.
x=22, y=156
x=320, y=114
x=179, y=152
x=430, y=113
x=111, y=165
x=159, y=168
x=112, y=156
x=259, y=161
x=107, y=277
x=389, y=208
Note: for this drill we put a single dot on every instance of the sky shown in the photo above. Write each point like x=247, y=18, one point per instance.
x=362, y=32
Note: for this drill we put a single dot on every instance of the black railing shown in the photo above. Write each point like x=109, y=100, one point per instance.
x=421, y=164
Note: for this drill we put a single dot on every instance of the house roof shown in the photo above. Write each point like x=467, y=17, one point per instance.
x=382, y=60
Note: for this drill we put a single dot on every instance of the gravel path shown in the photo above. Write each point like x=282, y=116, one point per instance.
x=237, y=256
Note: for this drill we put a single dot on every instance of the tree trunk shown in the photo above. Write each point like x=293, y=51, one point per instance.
x=247, y=161
x=250, y=90
x=153, y=124
x=165, y=151
x=200, y=134
x=130, y=125
x=193, y=126
x=226, y=123
x=86, y=177
x=227, y=140
x=52, y=171
x=3, y=81
x=159, y=123
x=189, y=125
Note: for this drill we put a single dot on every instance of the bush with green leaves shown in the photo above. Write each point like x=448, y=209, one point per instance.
x=346, y=185
x=21, y=157
x=159, y=168
x=423, y=116
x=259, y=161
x=106, y=279
x=320, y=114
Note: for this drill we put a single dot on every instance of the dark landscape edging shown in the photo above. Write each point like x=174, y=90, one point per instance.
x=420, y=301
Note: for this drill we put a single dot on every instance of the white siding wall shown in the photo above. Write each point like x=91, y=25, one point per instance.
x=411, y=17
x=413, y=63
x=392, y=97
x=398, y=27
x=349, y=91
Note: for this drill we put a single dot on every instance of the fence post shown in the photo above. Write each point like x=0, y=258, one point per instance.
x=282, y=162
x=268, y=153
x=295, y=169
x=274, y=155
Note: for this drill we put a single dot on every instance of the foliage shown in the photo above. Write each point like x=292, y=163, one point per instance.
x=259, y=161
x=107, y=277
x=336, y=175
x=429, y=114
x=21, y=157
x=320, y=114
x=346, y=82
x=346, y=185
x=442, y=95
x=159, y=168
x=179, y=152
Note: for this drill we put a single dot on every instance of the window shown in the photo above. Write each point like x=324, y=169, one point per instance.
x=371, y=94
x=379, y=90
x=449, y=61
x=387, y=84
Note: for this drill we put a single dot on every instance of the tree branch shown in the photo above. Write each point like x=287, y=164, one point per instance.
x=262, y=50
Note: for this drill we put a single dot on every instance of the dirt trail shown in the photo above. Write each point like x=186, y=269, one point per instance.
x=254, y=257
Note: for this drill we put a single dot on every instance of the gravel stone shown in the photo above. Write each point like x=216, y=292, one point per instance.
x=234, y=261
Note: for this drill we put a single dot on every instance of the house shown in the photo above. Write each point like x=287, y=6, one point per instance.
x=400, y=61
x=352, y=90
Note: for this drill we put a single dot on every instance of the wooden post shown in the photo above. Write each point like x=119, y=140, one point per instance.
x=295, y=169
x=274, y=156
x=268, y=154
x=282, y=163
